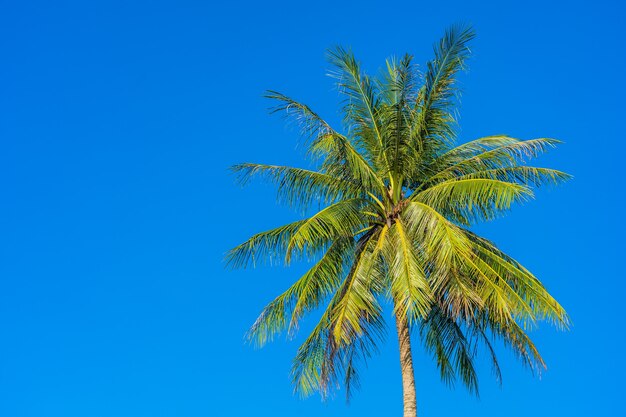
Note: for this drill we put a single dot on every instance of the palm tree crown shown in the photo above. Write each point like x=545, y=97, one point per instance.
x=398, y=200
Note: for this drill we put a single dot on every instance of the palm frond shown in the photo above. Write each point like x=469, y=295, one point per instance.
x=472, y=199
x=328, y=354
x=357, y=307
x=310, y=123
x=319, y=282
x=362, y=105
x=445, y=248
x=523, y=282
x=399, y=89
x=342, y=219
x=265, y=247
x=409, y=286
x=342, y=160
x=509, y=155
x=452, y=350
x=435, y=116
x=299, y=187
x=474, y=147
x=515, y=338
x=524, y=175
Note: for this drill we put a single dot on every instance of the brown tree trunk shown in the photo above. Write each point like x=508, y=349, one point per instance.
x=406, y=366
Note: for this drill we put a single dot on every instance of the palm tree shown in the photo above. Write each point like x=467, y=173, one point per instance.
x=398, y=201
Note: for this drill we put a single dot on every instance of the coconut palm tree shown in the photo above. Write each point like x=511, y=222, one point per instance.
x=396, y=201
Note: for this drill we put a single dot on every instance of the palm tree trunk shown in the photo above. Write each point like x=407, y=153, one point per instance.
x=406, y=366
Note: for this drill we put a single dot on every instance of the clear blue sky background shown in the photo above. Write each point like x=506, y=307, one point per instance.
x=118, y=121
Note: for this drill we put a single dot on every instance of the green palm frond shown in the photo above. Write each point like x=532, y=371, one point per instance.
x=515, y=338
x=346, y=334
x=300, y=187
x=409, y=286
x=508, y=155
x=362, y=105
x=345, y=218
x=310, y=123
x=400, y=92
x=265, y=247
x=357, y=301
x=320, y=363
x=475, y=147
x=446, y=250
x=436, y=102
x=472, y=199
x=339, y=156
x=340, y=159
x=452, y=350
x=524, y=283
x=482, y=338
x=441, y=241
x=531, y=176
x=304, y=295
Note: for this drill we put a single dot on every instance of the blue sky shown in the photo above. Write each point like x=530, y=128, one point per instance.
x=118, y=121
